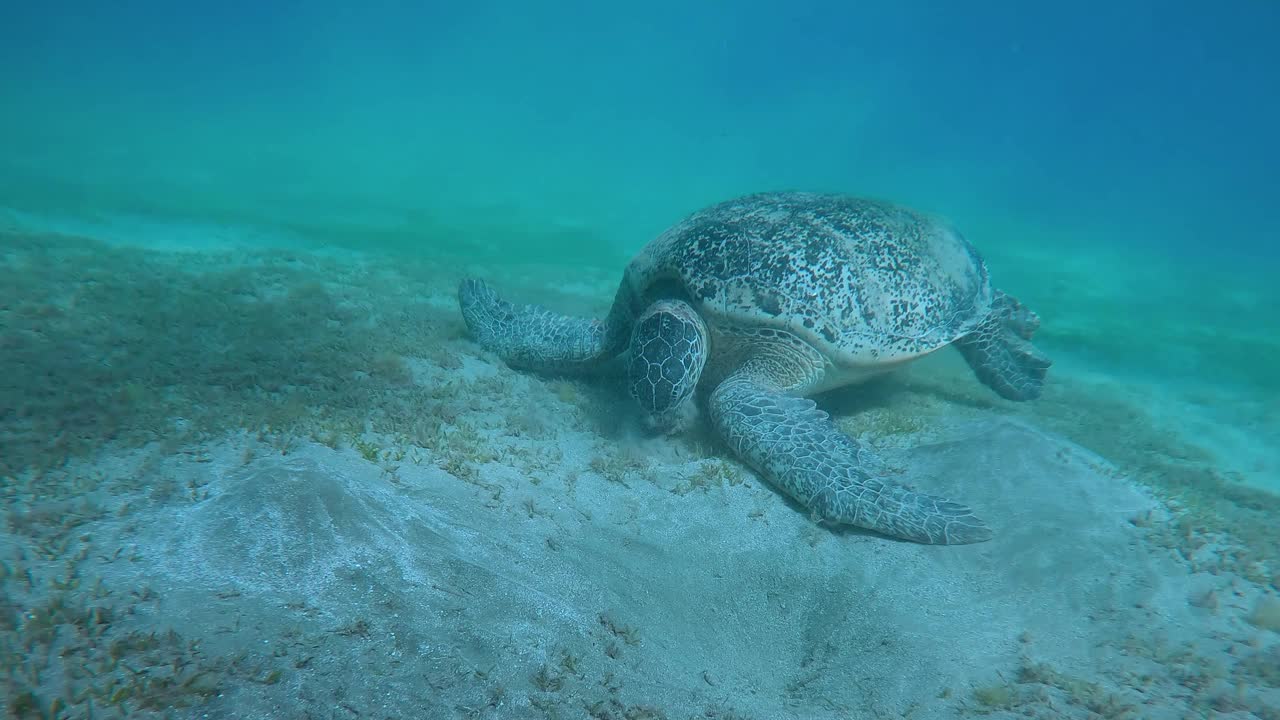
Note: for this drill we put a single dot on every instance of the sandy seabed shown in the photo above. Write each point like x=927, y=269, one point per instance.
x=511, y=546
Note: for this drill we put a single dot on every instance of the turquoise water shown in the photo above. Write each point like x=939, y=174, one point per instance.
x=1145, y=125
x=230, y=238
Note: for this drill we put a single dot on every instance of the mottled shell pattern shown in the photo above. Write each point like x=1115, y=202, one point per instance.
x=864, y=281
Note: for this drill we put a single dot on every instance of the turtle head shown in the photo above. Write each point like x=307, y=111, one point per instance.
x=667, y=353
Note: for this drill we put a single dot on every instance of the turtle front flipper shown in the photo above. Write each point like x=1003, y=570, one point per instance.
x=1001, y=354
x=667, y=354
x=534, y=338
x=798, y=449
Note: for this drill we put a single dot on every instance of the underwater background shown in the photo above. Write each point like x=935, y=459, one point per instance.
x=253, y=466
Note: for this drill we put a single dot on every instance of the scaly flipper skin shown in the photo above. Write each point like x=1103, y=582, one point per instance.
x=534, y=338
x=795, y=446
x=1001, y=354
x=667, y=353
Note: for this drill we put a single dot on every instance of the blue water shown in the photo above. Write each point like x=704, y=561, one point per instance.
x=291, y=414
x=1139, y=123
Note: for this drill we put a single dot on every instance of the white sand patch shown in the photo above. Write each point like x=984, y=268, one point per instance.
x=158, y=234
x=417, y=593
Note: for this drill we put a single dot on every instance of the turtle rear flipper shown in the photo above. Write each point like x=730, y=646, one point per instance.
x=1001, y=354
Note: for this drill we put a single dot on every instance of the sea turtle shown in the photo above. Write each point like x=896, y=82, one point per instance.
x=772, y=297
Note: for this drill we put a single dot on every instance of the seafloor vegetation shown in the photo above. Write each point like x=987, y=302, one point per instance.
x=108, y=350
